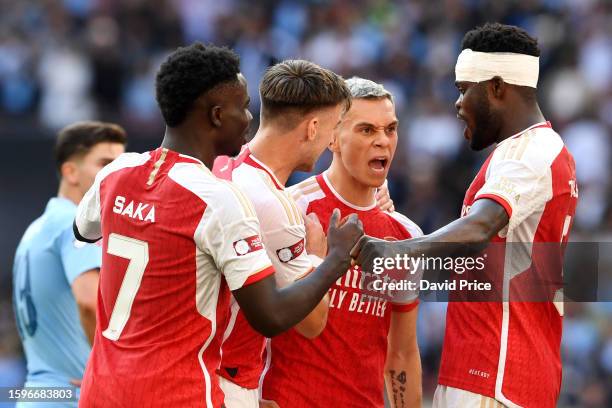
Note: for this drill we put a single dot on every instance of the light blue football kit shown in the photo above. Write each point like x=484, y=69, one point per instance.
x=48, y=260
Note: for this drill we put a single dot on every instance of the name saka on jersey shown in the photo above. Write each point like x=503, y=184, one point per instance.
x=134, y=213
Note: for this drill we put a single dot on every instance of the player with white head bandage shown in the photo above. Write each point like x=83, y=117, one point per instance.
x=504, y=352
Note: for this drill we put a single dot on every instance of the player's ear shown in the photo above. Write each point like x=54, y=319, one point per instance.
x=70, y=172
x=497, y=87
x=215, y=115
x=312, y=128
x=334, y=145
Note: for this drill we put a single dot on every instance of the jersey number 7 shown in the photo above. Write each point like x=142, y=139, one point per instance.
x=137, y=252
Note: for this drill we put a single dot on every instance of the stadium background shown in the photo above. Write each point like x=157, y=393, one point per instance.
x=62, y=61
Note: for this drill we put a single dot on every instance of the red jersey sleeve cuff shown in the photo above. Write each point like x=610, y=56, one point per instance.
x=499, y=200
x=257, y=276
x=404, y=308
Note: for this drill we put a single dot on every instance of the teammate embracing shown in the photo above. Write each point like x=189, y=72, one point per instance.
x=369, y=340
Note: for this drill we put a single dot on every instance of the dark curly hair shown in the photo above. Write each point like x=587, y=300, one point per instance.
x=188, y=73
x=496, y=37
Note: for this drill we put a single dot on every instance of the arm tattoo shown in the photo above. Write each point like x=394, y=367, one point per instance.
x=398, y=385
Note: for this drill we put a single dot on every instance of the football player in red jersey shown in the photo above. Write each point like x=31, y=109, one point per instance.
x=176, y=240
x=369, y=337
x=505, y=352
x=298, y=120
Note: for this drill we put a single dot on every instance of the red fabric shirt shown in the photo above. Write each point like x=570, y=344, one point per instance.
x=510, y=350
x=163, y=296
x=343, y=366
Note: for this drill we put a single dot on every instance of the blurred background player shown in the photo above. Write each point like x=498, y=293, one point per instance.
x=503, y=352
x=55, y=277
x=176, y=238
x=368, y=342
x=301, y=106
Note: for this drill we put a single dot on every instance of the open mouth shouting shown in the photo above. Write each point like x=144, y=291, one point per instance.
x=379, y=164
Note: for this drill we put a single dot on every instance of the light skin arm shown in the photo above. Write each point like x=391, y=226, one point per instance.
x=469, y=235
x=85, y=290
x=403, y=363
x=270, y=310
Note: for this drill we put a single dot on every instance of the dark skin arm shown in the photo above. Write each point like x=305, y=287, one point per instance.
x=271, y=310
x=469, y=235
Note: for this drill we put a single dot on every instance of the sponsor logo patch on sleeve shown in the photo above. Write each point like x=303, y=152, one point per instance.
x=291, y=252
x=248, y=245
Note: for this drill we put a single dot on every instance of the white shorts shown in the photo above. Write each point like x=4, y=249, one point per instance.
x=238, y=397
x=449, y=397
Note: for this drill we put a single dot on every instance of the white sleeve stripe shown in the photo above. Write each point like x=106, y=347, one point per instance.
x=291, y=210
x=299, y=193
x=306, y=183
x=246, y=205
x=520, y=150
x=516, y=148
x=297, y=211
x=303, y=185
x=310, y=190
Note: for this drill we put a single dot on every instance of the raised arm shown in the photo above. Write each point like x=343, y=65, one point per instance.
x=271, y=310
x=469, y=235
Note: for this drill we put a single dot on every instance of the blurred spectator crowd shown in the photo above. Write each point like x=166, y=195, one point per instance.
x=67, y=60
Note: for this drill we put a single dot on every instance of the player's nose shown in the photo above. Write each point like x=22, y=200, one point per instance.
x=458, y=102
x=381, y=140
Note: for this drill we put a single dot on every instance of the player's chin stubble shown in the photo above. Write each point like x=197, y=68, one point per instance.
x=484, y=133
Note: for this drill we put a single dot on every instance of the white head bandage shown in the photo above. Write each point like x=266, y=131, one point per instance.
x=516, y=69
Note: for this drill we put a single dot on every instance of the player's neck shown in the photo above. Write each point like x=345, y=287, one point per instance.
x=349, y=188
x=69, y=192
x=184, y=141
x=277, y=153
x=519, y=119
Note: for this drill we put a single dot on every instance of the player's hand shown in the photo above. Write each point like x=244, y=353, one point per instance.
x=367, y=249
x=316, y=242
x=343, y=235
x=267, y=404
x=76, y=382
x=383, y=198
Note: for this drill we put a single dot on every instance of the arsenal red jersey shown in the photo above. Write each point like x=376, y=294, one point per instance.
x=283, y=234
x=176, y=239
x=510, y=350
x=344, y=365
